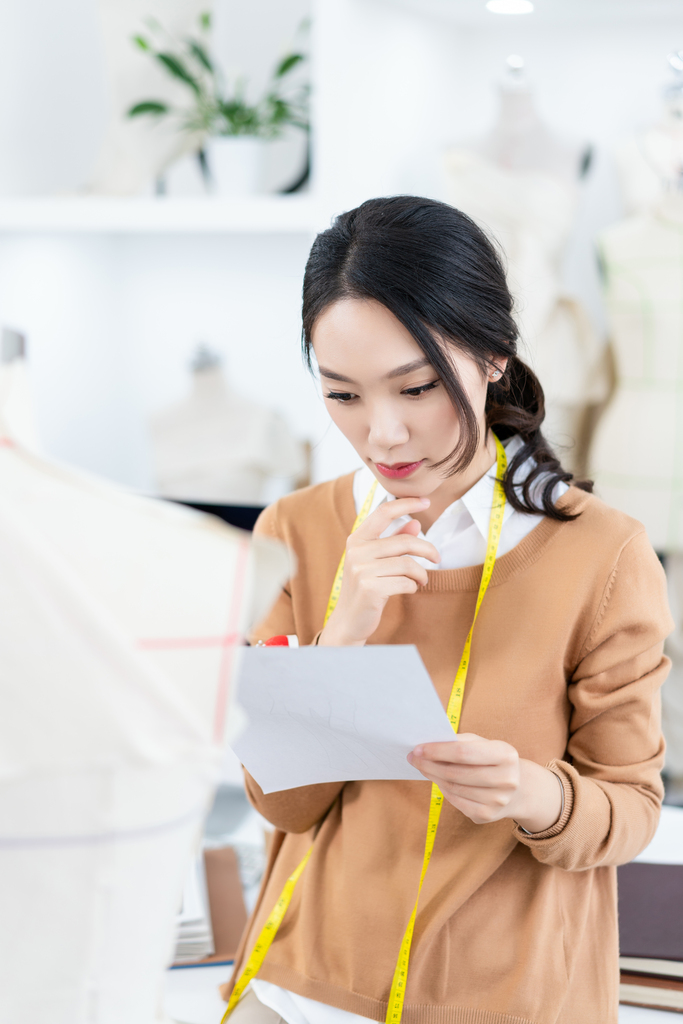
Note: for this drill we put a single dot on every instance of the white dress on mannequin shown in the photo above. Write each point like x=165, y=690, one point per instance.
x=643, y=261
x=220, y=447
x=637, y=454
x=121, y=624
x=519, y=184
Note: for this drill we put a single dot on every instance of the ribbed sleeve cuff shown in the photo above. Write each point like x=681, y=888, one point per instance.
x=535, y=838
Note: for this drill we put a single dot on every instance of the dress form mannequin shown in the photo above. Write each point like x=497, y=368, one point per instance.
x=121, y=621
x=637, y=454
x=217, y=446
x=520, y=183
x=650, y=163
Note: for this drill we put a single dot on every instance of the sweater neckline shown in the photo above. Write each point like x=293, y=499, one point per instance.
x=524, y=554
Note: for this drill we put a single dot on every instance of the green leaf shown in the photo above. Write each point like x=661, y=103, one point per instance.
x=142, y=43
x=205, y=20
x=287, y=63
x=199, y=53
x=148, y=107
x=175, y=67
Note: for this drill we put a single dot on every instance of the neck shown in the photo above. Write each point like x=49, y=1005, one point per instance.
x=455, y=486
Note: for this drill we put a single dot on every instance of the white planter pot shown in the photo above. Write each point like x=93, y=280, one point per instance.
x=236, y=164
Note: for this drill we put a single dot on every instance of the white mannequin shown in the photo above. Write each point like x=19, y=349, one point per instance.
x=636, y=460
x=519, y=183
x=650, y=163
x=220, y=447
x=121, y=624
x=520, y=140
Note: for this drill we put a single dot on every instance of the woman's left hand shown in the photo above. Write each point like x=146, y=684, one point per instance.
x=487, y=780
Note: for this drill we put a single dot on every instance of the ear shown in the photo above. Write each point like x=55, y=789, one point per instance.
x=497, y=368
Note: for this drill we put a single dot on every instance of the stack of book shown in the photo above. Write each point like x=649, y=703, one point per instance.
x=194, y=936
x=651, y=935
x=213, y=914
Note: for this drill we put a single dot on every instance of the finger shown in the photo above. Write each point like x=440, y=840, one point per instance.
x=481, y=776
x=376, y=523
x=480, y=814
x=411, y=527
x=498, y=797
x=403, y=565
x=468, y=749
x=397, y=544
x=388, y=586
x=447, y=779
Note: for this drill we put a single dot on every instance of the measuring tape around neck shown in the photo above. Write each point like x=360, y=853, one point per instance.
x=269, y=930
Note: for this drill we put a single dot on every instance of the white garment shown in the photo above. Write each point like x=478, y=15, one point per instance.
x=460, y=535
x=121, y=618
x=635, y=458
x=530, y=213
x=219, y=446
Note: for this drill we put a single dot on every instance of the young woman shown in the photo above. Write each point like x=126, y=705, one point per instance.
x=553, y=779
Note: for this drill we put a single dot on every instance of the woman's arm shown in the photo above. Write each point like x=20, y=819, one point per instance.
x=612, y=785
x=293, y=810
x=603, y=807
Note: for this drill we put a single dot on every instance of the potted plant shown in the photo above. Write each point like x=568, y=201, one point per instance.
x=234, y=129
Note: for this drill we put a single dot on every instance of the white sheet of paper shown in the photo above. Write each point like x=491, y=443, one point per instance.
x=334, y=714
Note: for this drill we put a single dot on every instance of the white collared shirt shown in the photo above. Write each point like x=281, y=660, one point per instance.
x=460, y=535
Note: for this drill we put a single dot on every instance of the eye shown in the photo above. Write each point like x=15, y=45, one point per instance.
x=416, y=392
x=340, y=396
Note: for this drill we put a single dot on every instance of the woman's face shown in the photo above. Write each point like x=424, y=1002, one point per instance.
x=386, y=398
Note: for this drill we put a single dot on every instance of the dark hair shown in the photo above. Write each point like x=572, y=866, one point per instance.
x=441, y=277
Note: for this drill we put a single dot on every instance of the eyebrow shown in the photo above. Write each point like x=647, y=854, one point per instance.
x=400, y=371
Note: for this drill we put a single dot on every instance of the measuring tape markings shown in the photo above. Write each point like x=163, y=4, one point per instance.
x=269, y=930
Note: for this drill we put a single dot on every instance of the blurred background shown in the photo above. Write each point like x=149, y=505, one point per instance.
x=116, y=286
x=166, y=164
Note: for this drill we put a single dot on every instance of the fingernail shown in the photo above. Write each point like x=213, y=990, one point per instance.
x=418, y=752
x=425, y=501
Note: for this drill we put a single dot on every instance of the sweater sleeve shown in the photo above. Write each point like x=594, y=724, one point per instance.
x=280, y=619
x=611, y=778
x=291, y=810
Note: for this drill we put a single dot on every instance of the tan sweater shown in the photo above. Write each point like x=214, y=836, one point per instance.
x=566, y=665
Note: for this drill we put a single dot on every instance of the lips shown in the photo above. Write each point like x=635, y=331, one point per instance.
x=398, y=470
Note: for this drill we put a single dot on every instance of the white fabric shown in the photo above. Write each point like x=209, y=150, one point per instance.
x=297, y=1009
x=636, y=453
x=120, y=618
x=218, y=446
x=530, y=214
x=460, y=535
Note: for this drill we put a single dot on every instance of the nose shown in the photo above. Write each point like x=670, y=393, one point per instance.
x=386, y=429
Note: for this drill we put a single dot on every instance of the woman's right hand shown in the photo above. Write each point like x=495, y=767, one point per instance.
x=375, y=569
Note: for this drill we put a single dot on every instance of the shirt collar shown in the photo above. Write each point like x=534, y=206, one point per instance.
x=477, y=500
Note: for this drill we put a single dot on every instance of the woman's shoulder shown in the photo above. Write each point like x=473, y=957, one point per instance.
x=599, y=525
x=310, y=509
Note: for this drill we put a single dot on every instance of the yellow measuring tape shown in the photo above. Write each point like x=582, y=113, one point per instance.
x=269, y=930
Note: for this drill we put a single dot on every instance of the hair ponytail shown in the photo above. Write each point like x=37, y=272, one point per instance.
x=442, y=278
x=516, y=405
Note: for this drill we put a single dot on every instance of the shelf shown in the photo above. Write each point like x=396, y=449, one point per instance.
x=163, y=215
